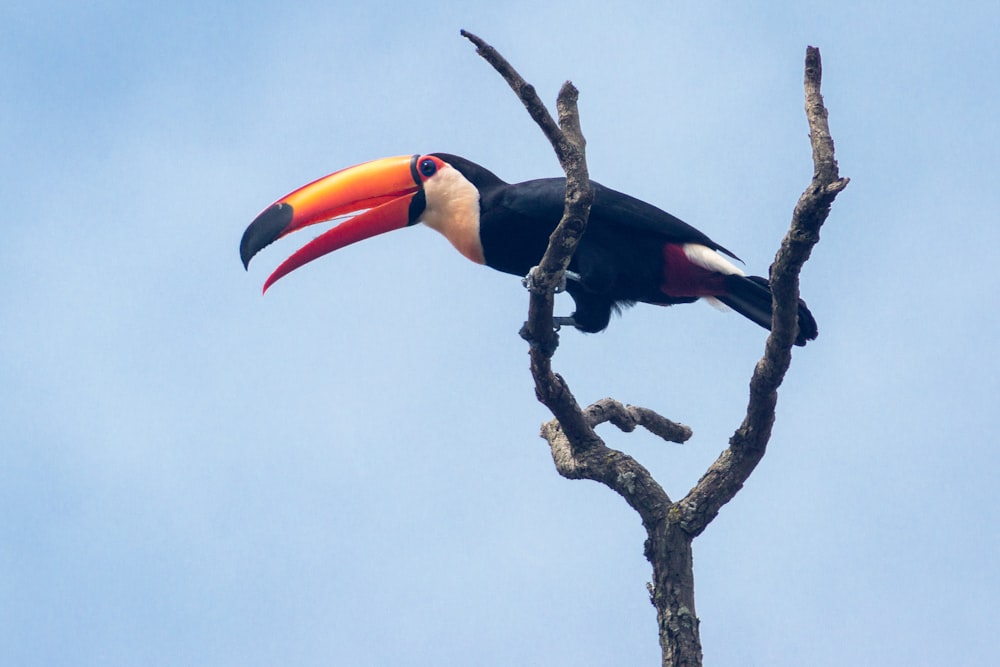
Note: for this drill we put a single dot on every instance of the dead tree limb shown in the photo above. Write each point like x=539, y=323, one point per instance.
x=728, y=473
x=577, y=450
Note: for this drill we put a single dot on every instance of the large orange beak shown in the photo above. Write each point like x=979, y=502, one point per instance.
x=384, y=189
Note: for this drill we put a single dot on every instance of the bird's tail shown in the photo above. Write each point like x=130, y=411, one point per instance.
x=750, y=296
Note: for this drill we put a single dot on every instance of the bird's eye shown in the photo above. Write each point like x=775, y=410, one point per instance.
x=427, y=167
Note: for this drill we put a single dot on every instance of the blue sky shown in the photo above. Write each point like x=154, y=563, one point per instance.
x=348, y=470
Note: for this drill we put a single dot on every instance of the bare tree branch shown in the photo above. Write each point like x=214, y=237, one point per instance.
x=568, y=142
x=577, y=450
x=565, y=145
x=627, y=417
x=730, y=471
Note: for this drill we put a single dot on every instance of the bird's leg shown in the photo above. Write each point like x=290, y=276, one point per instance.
x=529, y=280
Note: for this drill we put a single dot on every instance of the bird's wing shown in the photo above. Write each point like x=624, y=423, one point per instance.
x=617, y=208
x=543, y=200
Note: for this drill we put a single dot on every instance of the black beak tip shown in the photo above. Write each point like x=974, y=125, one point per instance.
x=264, y=230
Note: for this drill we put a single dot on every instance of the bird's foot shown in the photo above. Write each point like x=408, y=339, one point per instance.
x=568, y=275
x=557, y=324
x=530, y=283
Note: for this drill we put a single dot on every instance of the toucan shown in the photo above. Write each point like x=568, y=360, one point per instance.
x=631, y=251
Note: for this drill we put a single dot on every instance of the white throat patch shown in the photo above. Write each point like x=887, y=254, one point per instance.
x=452, y=208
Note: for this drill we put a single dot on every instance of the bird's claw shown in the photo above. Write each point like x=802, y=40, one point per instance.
x=531, y=284
x=529, y=280
x=568, y=275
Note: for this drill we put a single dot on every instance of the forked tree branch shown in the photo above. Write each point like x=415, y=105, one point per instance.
x=577, y=450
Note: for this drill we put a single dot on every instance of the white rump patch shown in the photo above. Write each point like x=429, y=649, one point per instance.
x=709, y=259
